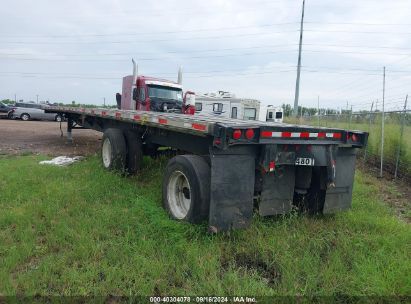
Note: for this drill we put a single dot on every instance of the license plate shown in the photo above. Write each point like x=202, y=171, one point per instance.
x=304, y=161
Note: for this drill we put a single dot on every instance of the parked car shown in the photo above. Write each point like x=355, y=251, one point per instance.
x=6, y=110
x=27, y=111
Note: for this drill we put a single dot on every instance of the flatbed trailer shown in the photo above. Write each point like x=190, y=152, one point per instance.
x=229, y=167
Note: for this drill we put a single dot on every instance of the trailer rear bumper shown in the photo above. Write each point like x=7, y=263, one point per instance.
x=238, y=184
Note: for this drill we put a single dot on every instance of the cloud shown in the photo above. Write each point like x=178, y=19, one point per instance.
x=79, y=50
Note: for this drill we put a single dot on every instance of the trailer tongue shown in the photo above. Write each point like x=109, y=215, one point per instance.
x=230, y=165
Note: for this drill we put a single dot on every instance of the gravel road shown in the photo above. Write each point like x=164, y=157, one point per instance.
x=44, y=137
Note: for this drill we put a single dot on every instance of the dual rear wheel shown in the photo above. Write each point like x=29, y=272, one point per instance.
x=121, y=151
x=186, y=180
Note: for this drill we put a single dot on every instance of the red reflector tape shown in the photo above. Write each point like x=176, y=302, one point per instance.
x=162, y=121
x=137, y=117
x=103, y=113
x=269, y=134
x=266, y=134
x=118, y=115
x=199, y=127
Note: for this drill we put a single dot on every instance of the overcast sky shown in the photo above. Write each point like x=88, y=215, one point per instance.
x=79, y=50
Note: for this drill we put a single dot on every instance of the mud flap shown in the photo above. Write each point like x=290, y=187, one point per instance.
x=232, y=191
x=277, y=192
x=339, y=197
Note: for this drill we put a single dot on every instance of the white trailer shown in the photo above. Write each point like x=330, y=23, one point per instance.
x=225, y=104
x=271, y=114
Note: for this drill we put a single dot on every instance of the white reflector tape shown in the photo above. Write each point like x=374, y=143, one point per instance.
x=295, y=134
x=314, y=135
x=276, y=134
x=329, y=135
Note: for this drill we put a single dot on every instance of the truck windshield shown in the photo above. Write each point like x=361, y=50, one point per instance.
x=165, y=93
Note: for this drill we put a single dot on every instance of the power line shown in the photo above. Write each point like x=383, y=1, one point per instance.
x=204, y=51
x=151, y=40
x=207, y=37
x=150, y=32
x=361, y=23
x=357, y=32
x=224, y=49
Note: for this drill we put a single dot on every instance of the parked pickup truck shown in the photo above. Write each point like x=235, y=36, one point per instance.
x=229, y=166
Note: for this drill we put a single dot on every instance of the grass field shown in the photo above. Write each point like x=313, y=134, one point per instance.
x=84, y=231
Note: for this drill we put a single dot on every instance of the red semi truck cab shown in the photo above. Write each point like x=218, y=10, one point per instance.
x=154, y=94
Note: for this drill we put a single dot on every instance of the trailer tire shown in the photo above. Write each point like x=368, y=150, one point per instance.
x=186, y=188
x=113, y=150
x=134, y=158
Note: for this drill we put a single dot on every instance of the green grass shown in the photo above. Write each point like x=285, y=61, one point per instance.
x=83, y=231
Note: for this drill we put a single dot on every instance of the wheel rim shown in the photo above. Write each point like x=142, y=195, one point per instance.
x=25, y=117
x=106, y=153
x=58, y=118
x=179, y=194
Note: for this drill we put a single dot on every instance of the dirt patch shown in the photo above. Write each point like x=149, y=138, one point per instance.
x=44, y=137
x=394, y=192
x=245, y=262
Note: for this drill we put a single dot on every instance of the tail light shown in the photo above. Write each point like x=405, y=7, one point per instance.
x=249, y=134
x=236, y=134
x=353, y=137
x=271, y=166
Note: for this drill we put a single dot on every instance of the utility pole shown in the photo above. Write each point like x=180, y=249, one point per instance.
x=37, y=98
x=318, y=109
x=397, y=162
x=349, y=126
x=104, y=101
x=15, y=98
x=346, y=113
x=369, y=127
x=382, y=123
x=297, y=82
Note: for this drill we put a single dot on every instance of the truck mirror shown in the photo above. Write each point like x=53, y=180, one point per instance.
x=135, y=94
x=189, y=98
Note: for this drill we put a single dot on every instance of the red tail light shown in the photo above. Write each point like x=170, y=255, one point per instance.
x=236, y=134
x=249, y=134
x=272, y=166
x=354, y=137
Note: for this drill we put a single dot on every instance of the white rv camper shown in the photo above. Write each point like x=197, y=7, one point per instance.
x=225, y=104
x=271, y=114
